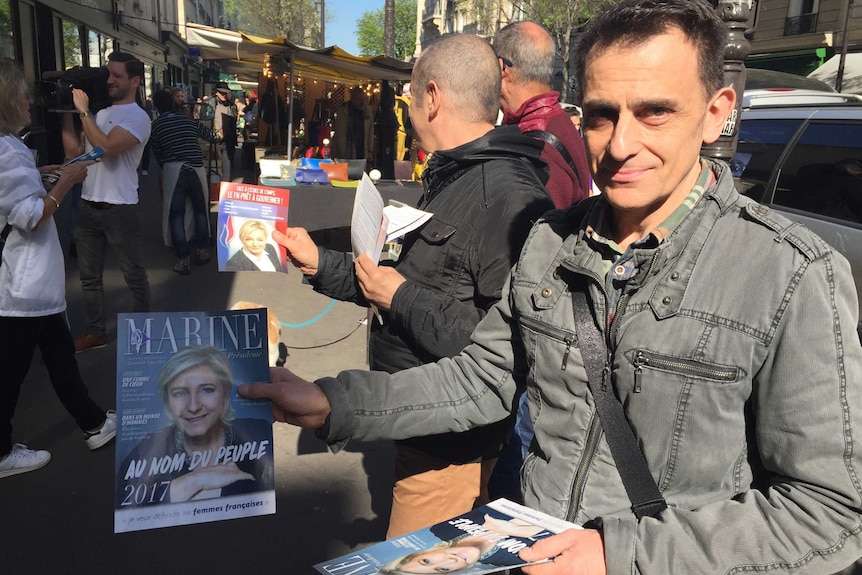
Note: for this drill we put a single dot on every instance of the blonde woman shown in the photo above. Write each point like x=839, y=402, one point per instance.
x=32, y=284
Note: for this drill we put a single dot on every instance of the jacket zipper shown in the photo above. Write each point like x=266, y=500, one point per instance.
x=595, y=432
x=644, y=358
x=566, y=337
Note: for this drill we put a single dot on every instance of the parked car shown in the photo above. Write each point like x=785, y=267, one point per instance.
x=804, y=160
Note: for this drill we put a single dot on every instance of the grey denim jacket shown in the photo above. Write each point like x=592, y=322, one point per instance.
x=735, y=355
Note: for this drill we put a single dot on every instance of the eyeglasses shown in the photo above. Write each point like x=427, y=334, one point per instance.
x=506, y=62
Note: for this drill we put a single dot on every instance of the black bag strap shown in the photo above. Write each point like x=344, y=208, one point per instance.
x=3, y=235
x=554, y=141
x=630, y=461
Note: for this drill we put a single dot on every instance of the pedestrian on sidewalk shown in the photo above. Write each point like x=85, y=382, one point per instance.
x=32, y=284
x=175, y=138
x=109, y=210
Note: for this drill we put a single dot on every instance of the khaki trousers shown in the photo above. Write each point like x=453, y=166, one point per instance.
x=429, y=490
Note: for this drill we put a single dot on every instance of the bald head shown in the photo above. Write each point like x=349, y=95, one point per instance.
x=465, y=69
x=531, y=51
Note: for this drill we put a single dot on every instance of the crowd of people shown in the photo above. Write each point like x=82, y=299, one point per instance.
x=534, y=339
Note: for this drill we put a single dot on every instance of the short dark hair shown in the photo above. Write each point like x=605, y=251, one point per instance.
x=134, y=67
x=163, y=102
x=632, y=22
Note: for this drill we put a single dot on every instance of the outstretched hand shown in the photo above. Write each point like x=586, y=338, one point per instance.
x=574, y=552
x=301, y=249
x=294, y=400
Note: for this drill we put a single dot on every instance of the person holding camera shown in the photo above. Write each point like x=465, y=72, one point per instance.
x=32, y=283
x=109, y=213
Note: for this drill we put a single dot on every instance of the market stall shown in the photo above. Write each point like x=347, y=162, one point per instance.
x=309, y=84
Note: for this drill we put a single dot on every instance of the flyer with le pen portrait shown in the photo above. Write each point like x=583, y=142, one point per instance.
x=247, y=216
x=189, y=449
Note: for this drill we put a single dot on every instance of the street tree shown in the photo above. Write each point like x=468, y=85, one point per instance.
x=296, y=20
x=370, y=30
x=563, y=18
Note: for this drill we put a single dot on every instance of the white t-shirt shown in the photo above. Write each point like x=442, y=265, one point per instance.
x=115, y=179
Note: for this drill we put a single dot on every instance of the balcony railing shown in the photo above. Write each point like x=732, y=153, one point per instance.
x=804, y=24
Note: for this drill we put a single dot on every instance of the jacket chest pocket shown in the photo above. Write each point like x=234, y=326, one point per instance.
x=689, y=414
x=438, y=254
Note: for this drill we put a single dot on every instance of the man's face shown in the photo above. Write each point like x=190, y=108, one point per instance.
x=120, y=86
x=179, y=97
x=645, y=118
x=419, y=119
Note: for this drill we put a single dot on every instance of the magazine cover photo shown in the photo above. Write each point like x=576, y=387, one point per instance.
x=189, y=449
x=487, y=539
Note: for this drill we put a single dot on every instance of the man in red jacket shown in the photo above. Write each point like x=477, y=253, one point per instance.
x=526, y=53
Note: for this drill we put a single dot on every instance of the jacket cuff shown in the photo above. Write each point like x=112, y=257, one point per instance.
x=322, y=263
x=402, y=302
x=338, y=429
x=619, y=535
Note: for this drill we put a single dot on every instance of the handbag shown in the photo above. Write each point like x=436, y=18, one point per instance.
x=640, y=486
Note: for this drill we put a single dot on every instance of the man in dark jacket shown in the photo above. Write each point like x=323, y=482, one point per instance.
x=526, y=54
x=484, y=187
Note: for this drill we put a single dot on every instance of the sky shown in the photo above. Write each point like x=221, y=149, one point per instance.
x=341, y=21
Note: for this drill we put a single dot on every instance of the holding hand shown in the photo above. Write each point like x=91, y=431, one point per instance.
x=75, y=173
x=81, y=100
x=378, y=283
x=301, y=249
x=574, y=552
x=294, y=400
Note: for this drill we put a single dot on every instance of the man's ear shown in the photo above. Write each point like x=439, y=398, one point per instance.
x=718, y=110
x=432, y=99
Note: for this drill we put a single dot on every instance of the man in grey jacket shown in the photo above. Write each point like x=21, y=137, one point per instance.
x=731, y=336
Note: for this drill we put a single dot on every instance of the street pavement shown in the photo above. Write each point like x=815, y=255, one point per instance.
x=59, y=519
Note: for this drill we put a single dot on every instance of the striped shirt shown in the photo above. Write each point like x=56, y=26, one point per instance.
x=175, y=139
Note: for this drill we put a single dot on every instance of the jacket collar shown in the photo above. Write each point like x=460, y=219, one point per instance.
x=503, y=142
x=694, y=228
x=536, y=109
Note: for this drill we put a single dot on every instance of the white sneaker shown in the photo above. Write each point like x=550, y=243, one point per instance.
x=22, y=460
x=106, y=433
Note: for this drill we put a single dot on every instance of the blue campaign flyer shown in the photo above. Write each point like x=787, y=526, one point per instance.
x=485, y=540
x=189, y=449
x=247, y=216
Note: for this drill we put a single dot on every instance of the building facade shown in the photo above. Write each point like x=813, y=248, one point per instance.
x=55, y=35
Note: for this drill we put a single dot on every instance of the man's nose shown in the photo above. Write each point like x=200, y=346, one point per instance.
x=625, y=139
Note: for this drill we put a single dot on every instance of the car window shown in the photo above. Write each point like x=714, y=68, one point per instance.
x=823, y=172
x=761, y=143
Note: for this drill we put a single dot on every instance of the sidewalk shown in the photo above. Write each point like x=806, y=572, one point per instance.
x=59, y=519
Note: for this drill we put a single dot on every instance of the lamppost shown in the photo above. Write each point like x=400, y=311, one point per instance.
x=736, y=16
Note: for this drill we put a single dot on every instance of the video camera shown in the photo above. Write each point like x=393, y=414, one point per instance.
x=56, y=88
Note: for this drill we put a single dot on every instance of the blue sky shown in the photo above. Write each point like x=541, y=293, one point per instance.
x=341, y=21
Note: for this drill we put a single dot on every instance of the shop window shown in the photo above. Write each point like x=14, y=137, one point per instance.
x=71, y=45
x=7, y=30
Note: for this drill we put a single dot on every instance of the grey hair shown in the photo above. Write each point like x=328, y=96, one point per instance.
x=466, y=70
x=530, y=49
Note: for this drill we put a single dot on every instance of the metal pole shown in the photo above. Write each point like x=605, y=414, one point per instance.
x=735, y=14
x=290, y=114
x=323, y=23
x=839, y=78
